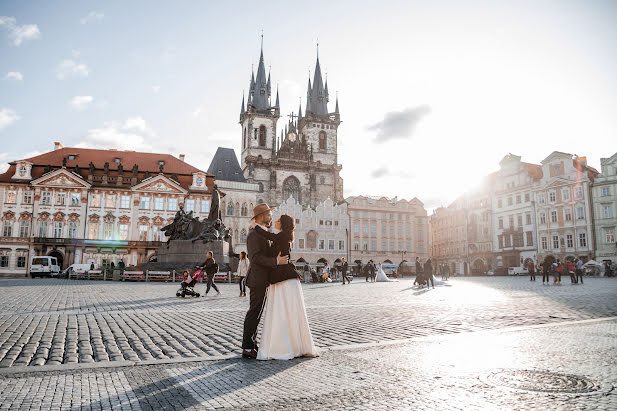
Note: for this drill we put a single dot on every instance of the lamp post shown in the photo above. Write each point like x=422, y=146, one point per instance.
x=403, y=252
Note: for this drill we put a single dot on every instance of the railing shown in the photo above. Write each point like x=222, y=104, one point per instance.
x=146, y=275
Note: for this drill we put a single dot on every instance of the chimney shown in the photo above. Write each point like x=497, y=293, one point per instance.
x=181, y=157
x=58, y=145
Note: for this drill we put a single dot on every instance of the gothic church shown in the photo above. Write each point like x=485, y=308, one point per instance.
x=301, y=160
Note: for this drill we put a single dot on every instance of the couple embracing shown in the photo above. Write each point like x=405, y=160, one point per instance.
x=275, y=288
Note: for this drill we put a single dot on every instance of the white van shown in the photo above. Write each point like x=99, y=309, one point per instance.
x=517, y=271
x=44, y=265
x=73, y=269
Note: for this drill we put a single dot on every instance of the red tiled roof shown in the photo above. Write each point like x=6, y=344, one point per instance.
x=534, y=170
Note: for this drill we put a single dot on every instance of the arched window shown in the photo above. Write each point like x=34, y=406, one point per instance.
x=322, y=140
x=236, y=233
x=237, y=210
x=291, y=188
x=322, y=180
x=262, y=136
x=230, y=208
x=243, y=236
x=244, y=211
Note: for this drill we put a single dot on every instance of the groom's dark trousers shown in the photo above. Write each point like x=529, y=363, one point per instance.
x=262, y=262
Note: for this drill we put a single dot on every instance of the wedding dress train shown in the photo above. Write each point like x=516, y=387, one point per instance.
x=285, y=333
x=381, y=276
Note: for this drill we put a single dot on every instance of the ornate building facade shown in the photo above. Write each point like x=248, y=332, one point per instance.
x=387, y=230
x=449, y=237
x=100, y=212
x=604, y=197
x=563, y=207
x=301, y=161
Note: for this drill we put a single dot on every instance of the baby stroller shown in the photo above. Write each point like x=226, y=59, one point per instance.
x=187, y=288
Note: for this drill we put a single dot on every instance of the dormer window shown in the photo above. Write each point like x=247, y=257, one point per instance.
x=117, y=160
x=72, y=157
x=161, y=162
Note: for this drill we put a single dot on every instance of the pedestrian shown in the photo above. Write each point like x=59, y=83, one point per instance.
x=307, y=273
x=344, y=269
x=211, y=268
x=91, y=265
x=532, y=271
x=428, y=273
x=572, y=271
x=556, y=270
x=243, y=269
x=579, y=270
x=121, y=266
x=326, y=272
x=546, y=270
x=418, y=279
x=608, y=271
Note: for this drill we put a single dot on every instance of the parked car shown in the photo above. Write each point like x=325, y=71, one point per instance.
x=76, y=268
x=44, y=266
x=517, y=271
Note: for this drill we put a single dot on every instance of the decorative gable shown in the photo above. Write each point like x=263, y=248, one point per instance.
x=160, y=184
x=23, y=171
x=61, y=178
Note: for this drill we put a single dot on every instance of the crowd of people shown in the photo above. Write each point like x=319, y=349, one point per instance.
x=572, y=267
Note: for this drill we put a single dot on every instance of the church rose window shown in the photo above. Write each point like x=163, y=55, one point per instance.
x=291, y=188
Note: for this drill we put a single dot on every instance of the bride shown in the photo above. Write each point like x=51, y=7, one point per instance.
x=381, y=275
x=285, y=333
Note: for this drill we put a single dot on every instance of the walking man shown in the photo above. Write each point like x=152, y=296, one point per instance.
x=262, y=262
x=418, y=279
x=307, y=273
x=344, y=269
x=532, y=271
x=428, y=273
x=211, y=267
x=579, y=270
x=546, y=270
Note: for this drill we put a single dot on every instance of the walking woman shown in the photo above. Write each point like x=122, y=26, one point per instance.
x=211, y=268
x=243, y=269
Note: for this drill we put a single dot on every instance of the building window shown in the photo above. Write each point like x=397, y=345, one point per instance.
x=58, y=225
x=499, y=203
x=243, y=237
x=518, y=199
x=509, y=201
x=322, y=244
x=75, y=199
x=93, y=231
x=365, y=245
x=608, y=211
x=541, y=198
x=125, y=202
x=95, y=200
x=301, y=243
x=341, y=245
x=123, y=232
x=189, y=206
x=262, y=136
x=356, y=228
x=330, y=244
x=72, y=229
x=365, y=228
x=322, y=140
x=582, y=239
x=291, y=188
x=519, y=220
x=527, y=219
x=11, y=197
x=110, y=201
x=555, y=242
x=144, y=203
x=143, y=232
x=46, y=198
x=606, y=191
x=565, y=194
x=205, y=206
x=159, y=203
x=21, y=261
x=609, y=235
x=356, y=245
x=391, y=230
x=529, y=235
x=551, y=196
x=244, y=210
x=580, y=213
x=500, y=221
x=27, y=197
x=7, y=229
x=567, y=214
x=391, y=245
x=373, y=245
x=579, y=192
x=230, y=208
x=24, y=228
x=544, y=243
x=553, y=216
x=511, y=221
x=569, y=241
x=43, y=229
x=4, y=261
x=108, y=231
x=526, y=197
x=542, y=218
x=60, y=198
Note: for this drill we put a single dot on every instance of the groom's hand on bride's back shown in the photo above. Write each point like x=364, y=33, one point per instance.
x=282, y=259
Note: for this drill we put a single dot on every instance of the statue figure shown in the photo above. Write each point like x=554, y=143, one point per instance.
x=91, y=166
x=134, y=169
x=161, y=168
x=174, y=176
x=146, y=175
x=120, y=169
x=106, y=168
x=77, y=170
x=251, y=169
x=215, y=212
x=63, y=162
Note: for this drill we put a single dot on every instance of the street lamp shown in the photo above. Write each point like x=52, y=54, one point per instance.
x=403, y=252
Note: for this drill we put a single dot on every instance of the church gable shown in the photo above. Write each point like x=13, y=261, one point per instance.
x=61, y=178
x=159, y=184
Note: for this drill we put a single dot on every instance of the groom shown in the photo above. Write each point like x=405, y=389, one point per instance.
x=262, y=261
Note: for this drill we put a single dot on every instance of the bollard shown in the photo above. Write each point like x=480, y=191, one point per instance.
x=104, y=275
x=88, y=275
x=147, y=275
x=174, y=276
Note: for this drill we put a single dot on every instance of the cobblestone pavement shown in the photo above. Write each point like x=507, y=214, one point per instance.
x=384, y=345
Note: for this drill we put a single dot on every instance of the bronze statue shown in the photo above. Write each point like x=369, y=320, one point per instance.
x=106, y=168
x=215, y=212
x=91, y=167
x=134, y=169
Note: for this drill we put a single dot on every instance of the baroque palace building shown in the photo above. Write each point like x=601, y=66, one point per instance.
x=84, y=205
x=301, y=161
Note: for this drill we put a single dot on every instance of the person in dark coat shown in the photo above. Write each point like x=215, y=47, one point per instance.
x=419, y=280
x=344, y=268
x=263, y=261
x=211, y=268
x=281, y=244
x=532, y=271
x=428, y=273
x=546, y=271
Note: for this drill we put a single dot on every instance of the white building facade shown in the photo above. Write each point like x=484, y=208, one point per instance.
x=604, y=199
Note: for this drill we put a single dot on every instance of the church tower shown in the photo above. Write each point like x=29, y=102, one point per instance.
x=258, y=120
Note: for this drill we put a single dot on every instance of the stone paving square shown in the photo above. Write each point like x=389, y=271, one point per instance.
x=470, y=343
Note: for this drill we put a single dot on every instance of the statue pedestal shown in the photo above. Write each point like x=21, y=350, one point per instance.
x=186, y=251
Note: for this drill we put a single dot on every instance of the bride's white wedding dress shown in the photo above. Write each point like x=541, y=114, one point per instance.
x=285, y=333
x=381, y=276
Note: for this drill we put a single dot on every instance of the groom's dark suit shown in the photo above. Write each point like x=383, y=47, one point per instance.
x=262, y=261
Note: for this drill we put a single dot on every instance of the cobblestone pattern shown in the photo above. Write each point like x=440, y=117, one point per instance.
x=51, y=322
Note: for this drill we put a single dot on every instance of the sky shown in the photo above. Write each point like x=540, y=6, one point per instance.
x=432, y=95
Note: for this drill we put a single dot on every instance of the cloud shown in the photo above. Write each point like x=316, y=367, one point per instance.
x=80, y=103
x=69, y=68
x=133, y=134
x=198, y=111
x=15, y=75
x=379, y=172
x=19, y=33
x=92, y=16
x=6, y=157
x=399, y=124
x=7, y=117
x=156, y=88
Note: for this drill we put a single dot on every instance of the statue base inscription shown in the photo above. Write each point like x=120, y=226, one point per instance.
x=187, y=251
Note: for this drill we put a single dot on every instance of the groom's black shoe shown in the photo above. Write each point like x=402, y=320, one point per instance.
x=249, y=354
